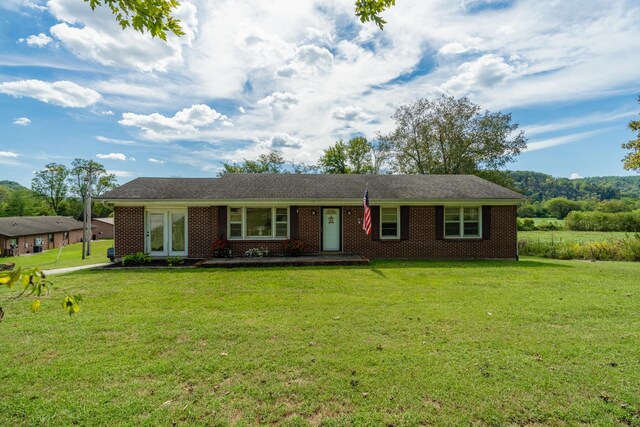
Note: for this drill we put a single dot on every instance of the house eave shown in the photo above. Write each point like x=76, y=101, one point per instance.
x=309, y=202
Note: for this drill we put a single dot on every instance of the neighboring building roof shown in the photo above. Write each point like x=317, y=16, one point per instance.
x=312, y=187
x=25, y=225
x=105, y=220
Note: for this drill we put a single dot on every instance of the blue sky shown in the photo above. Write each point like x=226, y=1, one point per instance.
x=250, y=76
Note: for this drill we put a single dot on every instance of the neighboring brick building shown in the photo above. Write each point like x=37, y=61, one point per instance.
x=413, y=216
x=28, y=234
x=102, y=228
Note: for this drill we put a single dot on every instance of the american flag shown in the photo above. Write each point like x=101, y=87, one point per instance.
x=366, y=223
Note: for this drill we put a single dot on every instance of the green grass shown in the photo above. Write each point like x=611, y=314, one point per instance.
x=71, y=256
x=568, y=236
x=535, y=342
x=538, y=221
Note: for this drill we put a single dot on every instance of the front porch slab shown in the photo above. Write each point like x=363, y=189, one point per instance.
x=301, y=261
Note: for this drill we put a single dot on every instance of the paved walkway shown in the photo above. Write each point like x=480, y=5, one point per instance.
x=70, y=269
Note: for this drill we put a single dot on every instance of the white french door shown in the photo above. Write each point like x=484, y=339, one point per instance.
x=166, y=233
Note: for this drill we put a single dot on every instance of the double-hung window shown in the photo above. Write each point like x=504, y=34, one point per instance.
x=462, y=222
x=258, y=223
x=389, y=223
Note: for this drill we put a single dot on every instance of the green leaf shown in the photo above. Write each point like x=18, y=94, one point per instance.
x=35, y=306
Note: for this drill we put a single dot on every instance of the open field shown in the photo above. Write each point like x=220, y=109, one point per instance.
x=535, y=342
x=572, y=236
x=71, y=256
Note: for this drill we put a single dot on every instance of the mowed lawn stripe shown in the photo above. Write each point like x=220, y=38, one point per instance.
x=402, y=343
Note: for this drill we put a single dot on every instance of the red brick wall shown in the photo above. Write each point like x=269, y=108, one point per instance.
x=129, y=230
x=201, y=235
x=101, y=230
x=422, y=241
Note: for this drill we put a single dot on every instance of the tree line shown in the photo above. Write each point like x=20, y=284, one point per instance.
x=58, y=189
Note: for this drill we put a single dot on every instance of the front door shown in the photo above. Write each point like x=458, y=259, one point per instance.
x=156, y=234
x=331, y=231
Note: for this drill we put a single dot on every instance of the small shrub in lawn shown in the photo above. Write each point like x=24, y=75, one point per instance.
x=221, y=249
x=548, y=226
x=257, y=252
x=139, y=258
x=293, y=247
x=173, y=261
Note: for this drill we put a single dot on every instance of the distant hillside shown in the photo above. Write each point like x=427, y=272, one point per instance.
x=11, y=185
x=540, y=186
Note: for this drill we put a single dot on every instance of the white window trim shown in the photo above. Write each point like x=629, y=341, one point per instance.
x=273, y=223
x=461, y=220
x=397, y=236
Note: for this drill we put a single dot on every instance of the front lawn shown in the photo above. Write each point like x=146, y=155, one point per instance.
x=535, y=342
x=71, y=256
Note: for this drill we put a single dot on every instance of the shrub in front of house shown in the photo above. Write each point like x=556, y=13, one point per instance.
x=257, y=252
x=174, y=261
x=139, y=258
x=293, y=247
x=221, y=249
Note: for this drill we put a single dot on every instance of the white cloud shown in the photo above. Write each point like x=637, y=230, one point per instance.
x=39, y=40
x=62, y=93
x=483, y=73
x=107, y=113
x=119, y=173
x=308, y=58
x=115, y=141
x=242, y=110
x=95, y=35
x=351, y=114
x=113, y=156
x=157, y=161
x=280, y=100
x=281, y=141
x=559, y=140
x=575, y=175
x=8, y=154
x=22, y=121
x=185, y=124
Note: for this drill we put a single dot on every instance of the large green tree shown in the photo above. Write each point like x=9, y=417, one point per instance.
x=632, y=159
x=452, y=136
x=51, y=184
x=357, y=155
x=272, y=162
x=156, y=16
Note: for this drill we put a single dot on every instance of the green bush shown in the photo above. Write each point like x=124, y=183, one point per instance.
x=601, y=221
x=174, y=260
x=139, y=258
x=526, y=224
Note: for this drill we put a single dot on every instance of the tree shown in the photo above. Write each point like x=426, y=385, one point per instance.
x=272, y=162
x=452, y=136
x=559, y=207
x=632, y=159
x=156, y=16
x=354, y=156
x=51, y=184
x=82, y=170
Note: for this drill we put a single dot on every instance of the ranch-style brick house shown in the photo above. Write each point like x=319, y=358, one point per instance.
x=413, y=216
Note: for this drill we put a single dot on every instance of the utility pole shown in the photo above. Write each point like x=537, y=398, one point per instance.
x=88, y=227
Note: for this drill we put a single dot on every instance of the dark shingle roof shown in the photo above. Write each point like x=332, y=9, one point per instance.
x=25, y=225
x=310, y=186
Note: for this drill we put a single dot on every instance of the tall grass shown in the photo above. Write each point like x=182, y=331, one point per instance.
x=626, y=249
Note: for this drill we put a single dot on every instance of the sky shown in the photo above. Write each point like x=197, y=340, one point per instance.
x=251, y=76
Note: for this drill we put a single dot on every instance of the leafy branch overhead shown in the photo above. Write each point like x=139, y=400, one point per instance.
x=156, y=16
x=632, y=159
